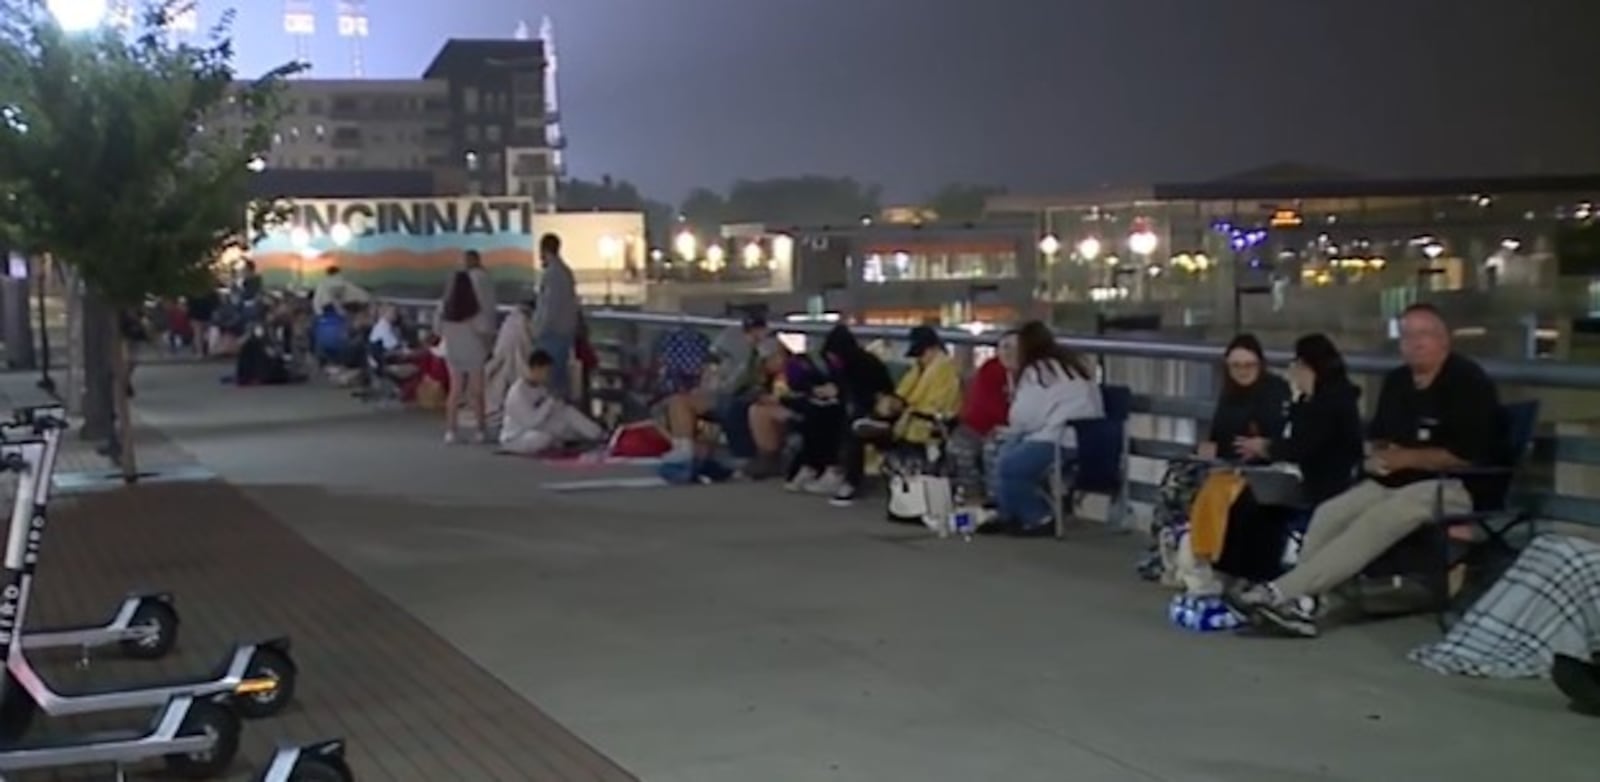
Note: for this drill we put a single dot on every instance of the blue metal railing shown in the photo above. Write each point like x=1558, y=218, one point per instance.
x=1174, y=387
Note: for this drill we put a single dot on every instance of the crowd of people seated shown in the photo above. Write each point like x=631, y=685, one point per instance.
x=1287, y=496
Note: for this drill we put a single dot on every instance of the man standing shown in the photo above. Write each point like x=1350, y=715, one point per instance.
x=1438, y=413
x=556, y=318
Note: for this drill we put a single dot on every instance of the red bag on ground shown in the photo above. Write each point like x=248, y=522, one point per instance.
x=641, y=440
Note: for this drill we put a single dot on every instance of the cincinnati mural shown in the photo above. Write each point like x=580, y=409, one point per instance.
x=385, y=243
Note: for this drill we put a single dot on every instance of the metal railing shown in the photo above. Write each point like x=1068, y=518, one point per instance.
x=1175, y=385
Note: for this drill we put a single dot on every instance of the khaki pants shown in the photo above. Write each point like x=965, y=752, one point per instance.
x=1351, y=530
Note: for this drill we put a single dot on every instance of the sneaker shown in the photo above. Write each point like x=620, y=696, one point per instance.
x=449, y=438
x=805, y=477
x=844, y=497
x=825, y=485
x=1291, y=619
x=1246, y=602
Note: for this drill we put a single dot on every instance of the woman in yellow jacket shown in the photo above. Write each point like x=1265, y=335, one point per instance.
x=931, y=388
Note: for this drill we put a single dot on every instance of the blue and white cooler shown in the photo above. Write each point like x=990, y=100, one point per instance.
x=1203, y=614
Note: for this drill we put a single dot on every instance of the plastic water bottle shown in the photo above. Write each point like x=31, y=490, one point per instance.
x=963, y=522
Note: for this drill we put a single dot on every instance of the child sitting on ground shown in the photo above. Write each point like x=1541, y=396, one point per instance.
x=536, y=420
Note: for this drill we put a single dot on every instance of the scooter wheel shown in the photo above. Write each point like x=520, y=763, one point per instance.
x=218, y=723
x=268, y=663
x=318, y=771
x=160, y=618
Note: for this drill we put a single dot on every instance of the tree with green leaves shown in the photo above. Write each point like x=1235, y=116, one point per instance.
x=109, y=166
x=960, y=202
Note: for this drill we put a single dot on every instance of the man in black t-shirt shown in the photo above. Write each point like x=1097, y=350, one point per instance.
x=1439, y=412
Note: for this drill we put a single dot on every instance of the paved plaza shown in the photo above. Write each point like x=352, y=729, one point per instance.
x=731, y=633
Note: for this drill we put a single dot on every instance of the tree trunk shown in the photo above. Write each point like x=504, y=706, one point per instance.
x=122, y=381
x=72, y=393
x=40, y=274
x=99, y=333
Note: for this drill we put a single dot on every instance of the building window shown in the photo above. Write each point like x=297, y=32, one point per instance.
x=469, y=100
x=530, y=107
x=320, y=132
x=314, y=106
x=472, y=161
x=470, y=134
x=294, y=133
x=491, y=134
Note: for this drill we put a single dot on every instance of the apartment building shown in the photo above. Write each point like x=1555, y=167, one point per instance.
x=475, y=121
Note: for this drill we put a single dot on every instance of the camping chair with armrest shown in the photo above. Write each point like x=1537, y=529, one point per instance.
x=1477, y=537
x=1101, y=466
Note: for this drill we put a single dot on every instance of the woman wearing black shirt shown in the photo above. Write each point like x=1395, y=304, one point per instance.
x=1254, y=402
x=855, y=379
x=1322, y=440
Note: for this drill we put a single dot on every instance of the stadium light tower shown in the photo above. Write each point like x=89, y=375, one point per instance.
x=300, y=22
x=353, y=28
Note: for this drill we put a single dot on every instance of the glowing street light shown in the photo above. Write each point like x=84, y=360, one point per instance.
x=299, y=237
x=715, y=256
x=257, y=164
x=341, y=234
x=1089, y=248
x=687, y=247
x=1433, y=250
x=78, y=16
x=1049, y=245
x=752, y=255
x=1143, y=242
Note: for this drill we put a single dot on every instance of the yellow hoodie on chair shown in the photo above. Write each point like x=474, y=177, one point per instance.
x=932, y=390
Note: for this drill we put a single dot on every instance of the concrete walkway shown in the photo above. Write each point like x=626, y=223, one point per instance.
x=738, y=633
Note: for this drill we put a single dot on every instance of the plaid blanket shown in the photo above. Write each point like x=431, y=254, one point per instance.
x=1548, y=603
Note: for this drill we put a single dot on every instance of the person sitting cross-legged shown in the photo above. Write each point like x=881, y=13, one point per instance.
x=537, y=420
x=1438, y=413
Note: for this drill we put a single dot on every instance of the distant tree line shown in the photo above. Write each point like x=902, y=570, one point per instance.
x=798, y=200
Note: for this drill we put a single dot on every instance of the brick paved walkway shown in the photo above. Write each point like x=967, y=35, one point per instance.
x=412, y=707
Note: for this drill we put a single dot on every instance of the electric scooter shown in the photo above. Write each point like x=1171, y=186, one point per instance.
x=319, y=762
x=198, y=738
x=145, y=625
x=261, y=676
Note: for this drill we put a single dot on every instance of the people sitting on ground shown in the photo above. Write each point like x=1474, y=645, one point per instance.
x=385, y=343
x=335, y=291
x=512, y=345
x=924, y=402
x=1253, y=403
x=1547, y=604
x=538, y=421
x=1439, y=412
x=1055, y=386
x=1322, y=445
x=466, y=350
x=820, y=420
x=864, y=386
x=769, y=416
x=982, y=422
x=680, y=358
x=736, y=382
x=262, y=361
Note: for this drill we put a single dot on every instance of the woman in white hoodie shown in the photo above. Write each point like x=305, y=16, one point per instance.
x=1055, y=386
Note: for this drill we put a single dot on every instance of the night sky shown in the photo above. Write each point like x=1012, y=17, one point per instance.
x=1039, y=95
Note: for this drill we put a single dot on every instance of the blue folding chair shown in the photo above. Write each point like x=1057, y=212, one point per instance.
x=1431, y=553
x=1101, y=466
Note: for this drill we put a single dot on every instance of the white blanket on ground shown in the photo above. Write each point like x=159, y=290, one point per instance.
x=1548, y=603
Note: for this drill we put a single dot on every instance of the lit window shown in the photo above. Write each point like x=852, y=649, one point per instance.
x=472, y=161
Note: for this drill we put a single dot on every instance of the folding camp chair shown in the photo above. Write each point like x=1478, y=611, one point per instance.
x=1432, y=552
x=1101, y=466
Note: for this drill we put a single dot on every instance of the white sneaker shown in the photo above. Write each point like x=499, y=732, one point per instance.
x=825, y=485
x=802, y=479
x=449, y=438
x=844, y=497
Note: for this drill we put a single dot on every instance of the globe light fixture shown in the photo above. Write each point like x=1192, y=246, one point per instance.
x=1049, y=245
x=1142, y=242
x=1089, y=248
x=78, y=16
x=341, y=234
x=1433, y=250
x=257, y=164
x=715, y=256
x=299, y=237
x=686, y=245
x=752, y=255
